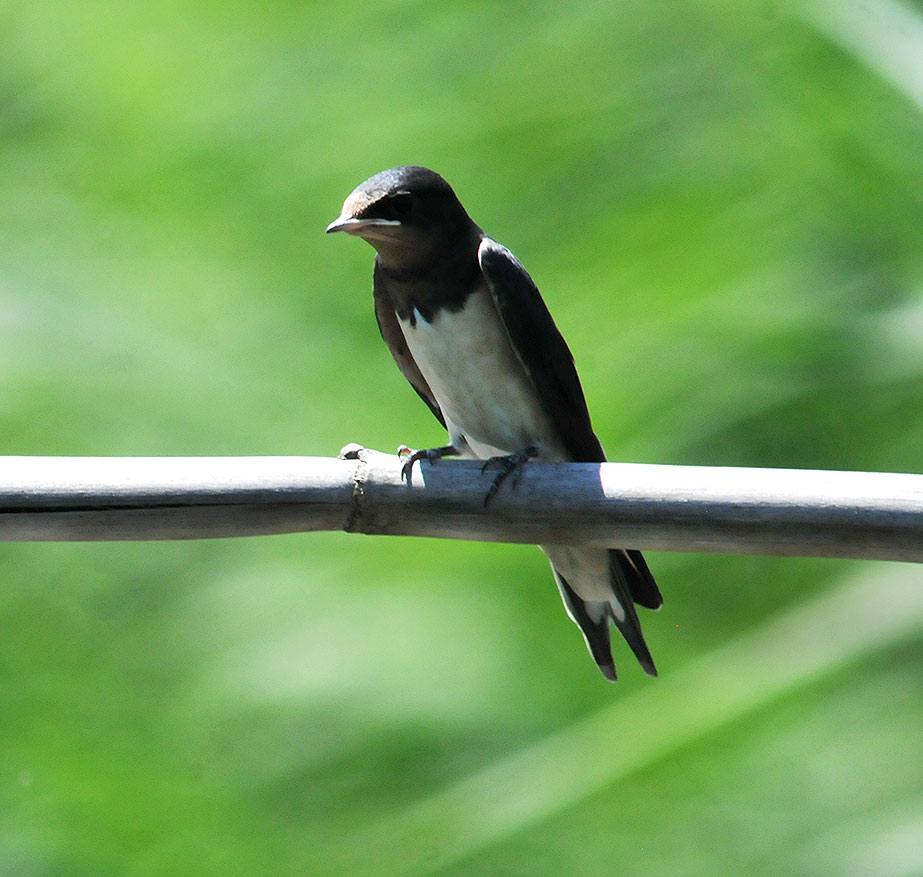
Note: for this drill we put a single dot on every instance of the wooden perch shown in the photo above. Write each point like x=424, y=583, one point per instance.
x=669, y=508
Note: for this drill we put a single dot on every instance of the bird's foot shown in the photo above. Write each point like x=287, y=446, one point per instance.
x=509, y=464
x=410, y=456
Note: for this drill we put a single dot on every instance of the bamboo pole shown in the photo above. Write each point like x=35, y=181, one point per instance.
x=670, y=508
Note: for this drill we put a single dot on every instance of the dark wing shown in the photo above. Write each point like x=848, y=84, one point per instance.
x=393, y=336
x=546, y=357
x=644, y=590
x=541, y=349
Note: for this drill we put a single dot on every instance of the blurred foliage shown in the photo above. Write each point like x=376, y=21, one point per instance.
x=723, y=205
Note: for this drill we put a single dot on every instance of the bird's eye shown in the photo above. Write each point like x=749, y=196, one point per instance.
x=402, y=205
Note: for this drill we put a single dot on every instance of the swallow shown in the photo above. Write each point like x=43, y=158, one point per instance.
x=469, y=330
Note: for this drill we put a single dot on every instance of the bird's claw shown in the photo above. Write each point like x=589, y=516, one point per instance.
x=510, y=464
x=410, y=456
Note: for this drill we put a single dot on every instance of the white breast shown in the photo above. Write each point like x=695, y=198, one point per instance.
x=478, y=381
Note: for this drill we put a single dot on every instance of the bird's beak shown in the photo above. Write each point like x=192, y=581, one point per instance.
x=352, y=225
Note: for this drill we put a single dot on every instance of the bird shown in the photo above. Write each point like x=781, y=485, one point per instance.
x=469, y=330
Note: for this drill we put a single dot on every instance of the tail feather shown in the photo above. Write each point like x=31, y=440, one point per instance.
x=629, y=626
x=629, y=581
x=595, y=631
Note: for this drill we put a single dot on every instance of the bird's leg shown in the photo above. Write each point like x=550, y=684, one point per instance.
x=410, y=456
x=510, y=464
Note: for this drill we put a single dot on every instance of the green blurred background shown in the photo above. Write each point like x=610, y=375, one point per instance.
x=723, y=205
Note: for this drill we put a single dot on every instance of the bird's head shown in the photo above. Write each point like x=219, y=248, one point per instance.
x=404, y=211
